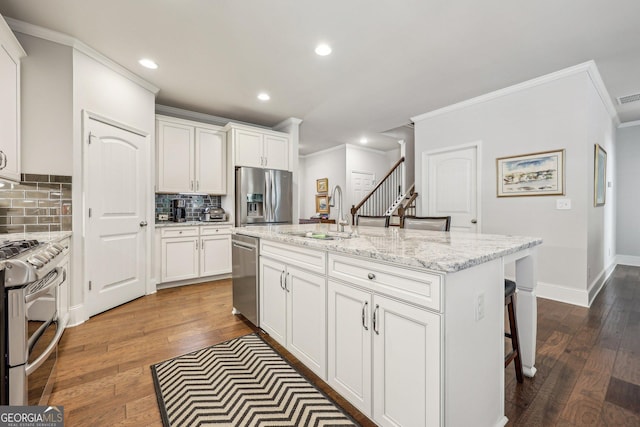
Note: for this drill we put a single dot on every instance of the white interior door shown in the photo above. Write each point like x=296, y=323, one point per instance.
x=115, y=192
x=452, y=187
x=361, y=184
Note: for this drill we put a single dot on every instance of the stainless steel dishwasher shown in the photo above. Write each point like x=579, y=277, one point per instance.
x=246, y=290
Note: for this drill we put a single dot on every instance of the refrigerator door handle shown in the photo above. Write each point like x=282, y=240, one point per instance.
x=267, y=196
x=274, y=195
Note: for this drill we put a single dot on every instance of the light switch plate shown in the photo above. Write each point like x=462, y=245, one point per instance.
x=563, y=204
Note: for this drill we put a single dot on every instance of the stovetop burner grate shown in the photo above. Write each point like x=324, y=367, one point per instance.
x=13, y=248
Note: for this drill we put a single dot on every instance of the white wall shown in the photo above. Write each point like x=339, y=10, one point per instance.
x=625, y=180
x=47, y=87
x=551, y=114
x=330, y=164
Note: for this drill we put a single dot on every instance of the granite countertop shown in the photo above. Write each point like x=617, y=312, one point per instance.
x=44, y=237
x=434, y=250
x=190, y=223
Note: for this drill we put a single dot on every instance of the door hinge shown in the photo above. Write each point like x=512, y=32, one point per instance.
x=89, y=284
x=89, y=212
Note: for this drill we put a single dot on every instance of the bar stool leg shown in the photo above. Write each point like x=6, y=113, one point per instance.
x=515, y=344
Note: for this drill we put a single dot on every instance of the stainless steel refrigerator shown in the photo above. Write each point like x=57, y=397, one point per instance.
x=263, y=196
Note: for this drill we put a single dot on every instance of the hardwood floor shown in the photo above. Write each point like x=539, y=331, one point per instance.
x=588, y=360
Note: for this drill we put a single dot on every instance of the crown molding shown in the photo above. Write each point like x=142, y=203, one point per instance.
x=291, y=121
x=13, y=46
x=64, y=39
x=589, y=67
x=325, y=151
x=629, y=124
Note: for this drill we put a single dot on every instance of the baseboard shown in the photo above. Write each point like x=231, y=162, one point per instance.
x=598, y=283
x=77, y=315
x=563, y=294
x=192, y=281
x=628, y=260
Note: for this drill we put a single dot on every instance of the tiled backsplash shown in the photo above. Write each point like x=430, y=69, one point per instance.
x=38, y=203
x=195, y=203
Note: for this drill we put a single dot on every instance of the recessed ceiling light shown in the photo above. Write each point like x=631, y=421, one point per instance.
x=264, y=96
x=148, y=64
x=323, y=49
x=363, y=140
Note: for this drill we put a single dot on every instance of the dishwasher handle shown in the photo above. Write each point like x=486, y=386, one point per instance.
x=242, y=245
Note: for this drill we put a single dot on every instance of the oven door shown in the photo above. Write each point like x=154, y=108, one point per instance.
x=30, y=382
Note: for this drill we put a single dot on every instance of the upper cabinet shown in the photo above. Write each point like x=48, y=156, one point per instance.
x=10, y=54
x=191, y=157
x=260, y=148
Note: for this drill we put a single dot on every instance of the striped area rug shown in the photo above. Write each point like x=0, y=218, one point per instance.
x=241, y=382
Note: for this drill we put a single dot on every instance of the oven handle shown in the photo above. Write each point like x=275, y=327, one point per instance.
x=30, y=367
x=61, y=276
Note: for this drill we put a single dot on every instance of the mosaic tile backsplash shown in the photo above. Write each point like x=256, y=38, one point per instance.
x=195, y=204
x=39, y=203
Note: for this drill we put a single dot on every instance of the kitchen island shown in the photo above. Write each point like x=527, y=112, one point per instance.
x=405, y=324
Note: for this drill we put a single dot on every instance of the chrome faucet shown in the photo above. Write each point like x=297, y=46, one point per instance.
x=341, y=222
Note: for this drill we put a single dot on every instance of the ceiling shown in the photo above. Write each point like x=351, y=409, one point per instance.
x=391, y=60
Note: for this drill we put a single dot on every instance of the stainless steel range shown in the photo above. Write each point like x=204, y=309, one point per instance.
x=30, y=325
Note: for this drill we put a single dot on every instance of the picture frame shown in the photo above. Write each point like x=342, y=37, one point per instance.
x=599, y=176
x=322, y=185
x=535, y=174
x=322, y=203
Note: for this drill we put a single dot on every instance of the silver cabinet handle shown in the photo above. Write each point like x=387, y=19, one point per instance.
x=143, y=223
x=364, y=307
x=375, y=320
x=191, y=186
x=474, y=221
x=3, y=160
x=281, y=279
x=371, y=276
x=197, y=185
x=285, y=282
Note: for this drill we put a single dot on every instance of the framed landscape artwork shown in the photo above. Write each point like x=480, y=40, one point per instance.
x=535, y=174
x=322, y=203
x=599, y=176
x=322, y=185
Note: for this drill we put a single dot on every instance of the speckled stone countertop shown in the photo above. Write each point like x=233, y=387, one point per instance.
x=190, y=223
x=433, y=250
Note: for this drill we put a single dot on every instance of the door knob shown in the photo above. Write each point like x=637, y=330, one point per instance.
x=474, y=221
x=143, y=223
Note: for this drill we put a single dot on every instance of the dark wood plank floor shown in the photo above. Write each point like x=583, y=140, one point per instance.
x=588, y=360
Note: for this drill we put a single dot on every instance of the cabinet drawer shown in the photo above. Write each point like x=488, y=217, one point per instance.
x=210, y=230
x=179, y=231
x=309, y=259
x=416, y=287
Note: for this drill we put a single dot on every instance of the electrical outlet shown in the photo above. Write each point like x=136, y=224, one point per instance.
x=480, y=307
x=163, y=217
x=563, y=204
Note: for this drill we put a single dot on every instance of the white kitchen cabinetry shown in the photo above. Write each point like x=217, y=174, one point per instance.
x=259, y=148
x=215, y=250
x=194, y=252
x=191, y=157
x=393, y=340
x=10, y=54
x=293, y=301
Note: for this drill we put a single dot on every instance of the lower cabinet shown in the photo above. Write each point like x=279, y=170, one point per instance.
x=292, y=311
x=384, y=356
x=191, y=252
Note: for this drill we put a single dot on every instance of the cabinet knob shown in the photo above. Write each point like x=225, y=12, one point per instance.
x=371, y=276
x=143, y=223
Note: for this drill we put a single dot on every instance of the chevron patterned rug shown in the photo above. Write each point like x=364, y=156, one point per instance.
x=241, y=382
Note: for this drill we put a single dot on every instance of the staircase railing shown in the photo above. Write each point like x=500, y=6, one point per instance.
x=383, y=195
x=408, y=206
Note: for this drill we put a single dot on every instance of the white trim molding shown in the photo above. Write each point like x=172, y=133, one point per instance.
x=631, y=260
x=588, y=67
x=629, y=124
x=563, y=294
x=64, y=39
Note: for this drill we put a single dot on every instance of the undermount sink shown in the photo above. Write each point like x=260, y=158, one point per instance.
x=319, y=235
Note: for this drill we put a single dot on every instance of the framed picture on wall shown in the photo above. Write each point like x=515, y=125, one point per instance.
x=322, y=185
x=599, y=176
x=322, y=203
x=535, y=174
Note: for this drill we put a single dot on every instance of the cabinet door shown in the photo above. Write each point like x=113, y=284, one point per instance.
x=247, y=146
x=273, y=300
x=306, y=318
x=215, y=255
x=406, y=355
x=180, y=258
x=210, y=161
x=276, y=152
x=9, y=117
x=175, y=157
x=349, y=344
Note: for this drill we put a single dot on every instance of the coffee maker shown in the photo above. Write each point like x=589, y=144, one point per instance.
x=179, y=210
